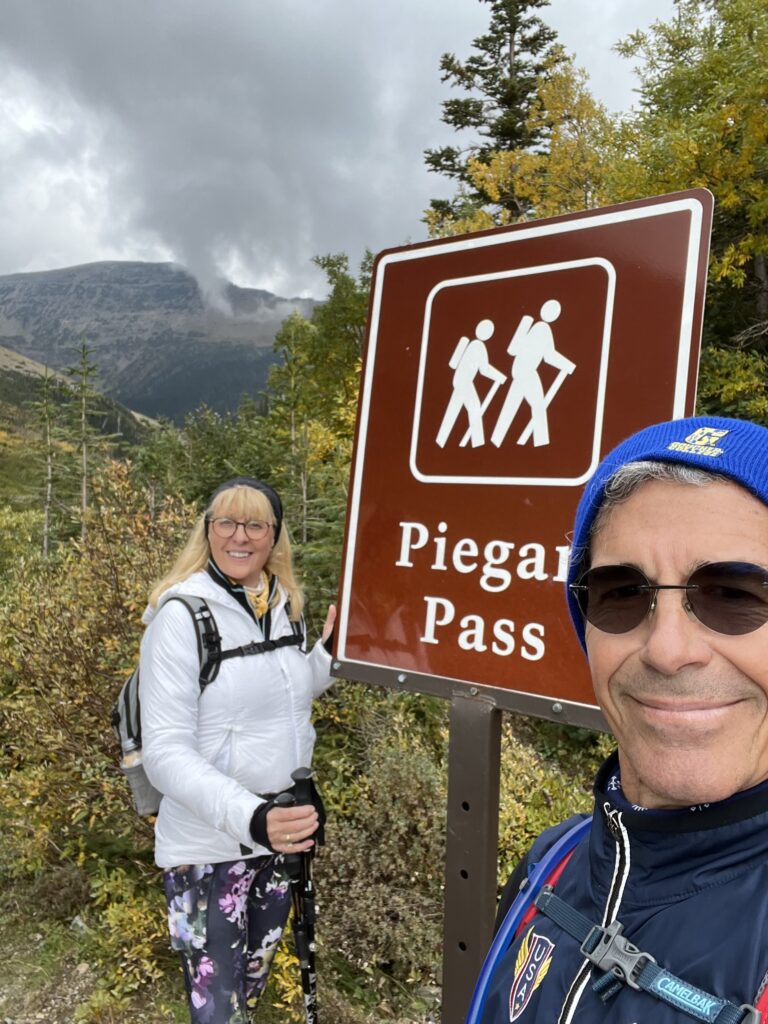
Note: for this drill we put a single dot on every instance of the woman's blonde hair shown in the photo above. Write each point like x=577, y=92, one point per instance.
x=244, y=503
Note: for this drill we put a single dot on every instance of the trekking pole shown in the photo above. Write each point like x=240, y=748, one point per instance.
x=299, y=869
x=483, y=406
x=553, y=389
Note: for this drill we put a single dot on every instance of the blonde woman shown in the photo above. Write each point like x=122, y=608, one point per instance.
x=220, y=756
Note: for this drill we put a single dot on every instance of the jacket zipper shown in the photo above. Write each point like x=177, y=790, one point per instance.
x=620, y=874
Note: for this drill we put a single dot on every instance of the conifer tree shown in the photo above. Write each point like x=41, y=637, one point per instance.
x=501, y=80
x=84, y=405
x=45, y=410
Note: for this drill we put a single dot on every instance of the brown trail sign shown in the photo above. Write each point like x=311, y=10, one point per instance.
x=499, y=368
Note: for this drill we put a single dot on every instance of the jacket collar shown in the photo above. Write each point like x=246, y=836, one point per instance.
x=739, y=807
x=237, y=591
x=674, y=853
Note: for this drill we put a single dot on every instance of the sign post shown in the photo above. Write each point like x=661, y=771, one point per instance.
x=499, y=368
x=470, y=856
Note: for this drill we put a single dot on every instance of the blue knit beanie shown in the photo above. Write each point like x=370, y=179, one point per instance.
x=733, y=448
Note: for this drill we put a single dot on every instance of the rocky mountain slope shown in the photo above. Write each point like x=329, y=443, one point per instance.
x=160, y=350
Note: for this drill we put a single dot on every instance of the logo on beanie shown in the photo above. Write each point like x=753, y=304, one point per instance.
x=701, y=442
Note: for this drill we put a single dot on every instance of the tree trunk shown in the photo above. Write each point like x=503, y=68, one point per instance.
x=761, y=274
x=48, y=491
x=83, y=468
x=304, y=481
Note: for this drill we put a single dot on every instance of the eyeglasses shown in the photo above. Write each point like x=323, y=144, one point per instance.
x=225, y=528
x=728, y=597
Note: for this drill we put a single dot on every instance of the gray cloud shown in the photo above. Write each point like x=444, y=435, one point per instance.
x=240, y=138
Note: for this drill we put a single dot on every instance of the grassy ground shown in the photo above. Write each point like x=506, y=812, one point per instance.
x=48, y=978
x=48, y=975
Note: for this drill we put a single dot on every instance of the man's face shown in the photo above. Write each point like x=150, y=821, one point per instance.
x=688, y=706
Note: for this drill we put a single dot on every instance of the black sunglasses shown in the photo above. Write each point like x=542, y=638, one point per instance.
x=728, y=597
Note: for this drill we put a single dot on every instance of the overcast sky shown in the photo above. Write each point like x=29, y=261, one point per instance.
x=242, y=137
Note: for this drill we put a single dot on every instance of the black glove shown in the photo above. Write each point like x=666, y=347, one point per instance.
x=258, y=825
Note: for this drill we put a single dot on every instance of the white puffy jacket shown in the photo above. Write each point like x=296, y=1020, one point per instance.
x=210, y=753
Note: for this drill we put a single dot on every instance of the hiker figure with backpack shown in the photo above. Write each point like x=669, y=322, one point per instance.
x=226, y=688
x=657, y=909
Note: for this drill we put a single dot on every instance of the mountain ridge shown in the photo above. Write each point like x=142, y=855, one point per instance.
x=160, y=349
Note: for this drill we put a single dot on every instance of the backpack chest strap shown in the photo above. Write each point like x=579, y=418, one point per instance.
x=622, y=963
x=262, y=646
x=211, y=669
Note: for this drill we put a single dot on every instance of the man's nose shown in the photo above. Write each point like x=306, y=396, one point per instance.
x=675, y=638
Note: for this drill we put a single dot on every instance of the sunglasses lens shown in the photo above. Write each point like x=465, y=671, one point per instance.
x=615, y=598
x=730, y=597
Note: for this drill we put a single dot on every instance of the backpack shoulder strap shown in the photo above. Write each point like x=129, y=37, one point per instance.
x=545, y=872
x=549, y=880
x=208, y=637
x=298, y=626
x=550, y=862
x=207, y=634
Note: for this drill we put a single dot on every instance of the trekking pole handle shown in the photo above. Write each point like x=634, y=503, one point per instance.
x=292, y=861
x=302, y=778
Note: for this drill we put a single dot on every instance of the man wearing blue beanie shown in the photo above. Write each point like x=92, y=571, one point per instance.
x=660, y=912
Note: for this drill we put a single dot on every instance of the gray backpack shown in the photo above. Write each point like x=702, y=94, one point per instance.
x=126, y=713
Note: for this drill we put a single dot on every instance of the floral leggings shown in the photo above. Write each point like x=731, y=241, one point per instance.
x=226, y=921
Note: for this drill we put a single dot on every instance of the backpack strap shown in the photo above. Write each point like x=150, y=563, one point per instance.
x=295, y=639
x=262, y=646
x=208, y=637
x=266, y=619
x=550, y=861
x=551, y=880
x=299, y=627
x=618, y=962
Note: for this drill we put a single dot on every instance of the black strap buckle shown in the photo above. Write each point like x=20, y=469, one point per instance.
x=608, y=950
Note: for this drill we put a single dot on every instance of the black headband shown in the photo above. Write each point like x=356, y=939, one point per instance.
x=258, y=485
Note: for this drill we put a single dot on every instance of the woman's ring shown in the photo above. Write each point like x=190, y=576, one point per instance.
x=288, y=838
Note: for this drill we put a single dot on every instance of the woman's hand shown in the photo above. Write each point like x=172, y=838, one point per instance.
x=289, y=828
x=330, y=619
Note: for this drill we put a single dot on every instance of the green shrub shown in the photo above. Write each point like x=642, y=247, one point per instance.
x=69, y=835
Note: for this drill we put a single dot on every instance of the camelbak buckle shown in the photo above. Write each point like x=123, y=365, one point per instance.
x=608, y=950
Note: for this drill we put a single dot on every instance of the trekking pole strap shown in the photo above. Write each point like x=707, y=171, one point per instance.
x=622, y=963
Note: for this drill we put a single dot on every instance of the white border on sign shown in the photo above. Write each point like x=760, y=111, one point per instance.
x=691, y=204
x=573, y=481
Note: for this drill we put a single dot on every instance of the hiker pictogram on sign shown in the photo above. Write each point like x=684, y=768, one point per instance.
x=532, y=344
x=469, y=359
x=508, y=390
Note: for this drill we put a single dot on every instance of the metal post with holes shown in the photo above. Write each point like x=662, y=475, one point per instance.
x=471, y=852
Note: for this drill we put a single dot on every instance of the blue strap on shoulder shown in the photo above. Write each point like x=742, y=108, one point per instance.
x=524, y=899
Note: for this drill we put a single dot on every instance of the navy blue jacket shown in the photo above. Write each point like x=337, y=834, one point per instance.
x=690, y=888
